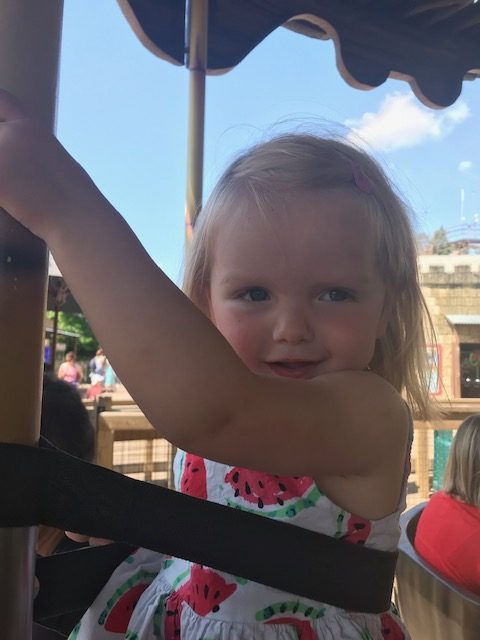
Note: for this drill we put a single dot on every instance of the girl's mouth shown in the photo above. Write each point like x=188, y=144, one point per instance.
x=299, y=369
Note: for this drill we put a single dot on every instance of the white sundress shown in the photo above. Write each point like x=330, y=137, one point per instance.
x=151, y=596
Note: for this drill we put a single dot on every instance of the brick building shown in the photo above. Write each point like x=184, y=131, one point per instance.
x=451, y=286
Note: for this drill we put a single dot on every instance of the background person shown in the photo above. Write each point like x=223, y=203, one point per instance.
x=448, y=532
x=98, y=364
x=66, y=425
x=97, y=386
x=70, y=371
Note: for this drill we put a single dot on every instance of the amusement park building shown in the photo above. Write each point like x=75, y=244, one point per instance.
x=451, y=286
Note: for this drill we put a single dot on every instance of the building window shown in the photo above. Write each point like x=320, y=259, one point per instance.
x=434, y=367
x=470, y=370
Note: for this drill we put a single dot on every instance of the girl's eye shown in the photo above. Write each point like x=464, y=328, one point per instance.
x=335, y=295
x=255, y=294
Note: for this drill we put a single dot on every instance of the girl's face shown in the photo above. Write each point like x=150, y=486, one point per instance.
x=298, y=294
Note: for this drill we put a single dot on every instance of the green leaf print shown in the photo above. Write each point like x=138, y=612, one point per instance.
x=74, y=634
x=159, y=614
x=281, y=608
x=180, y=578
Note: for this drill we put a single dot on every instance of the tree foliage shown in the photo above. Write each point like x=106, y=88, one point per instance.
x=440, y=244
x=437, y=244
x=76, y=323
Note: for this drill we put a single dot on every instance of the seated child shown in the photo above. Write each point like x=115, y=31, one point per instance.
x=66, y=425
x=448, y=532
x=97, y=386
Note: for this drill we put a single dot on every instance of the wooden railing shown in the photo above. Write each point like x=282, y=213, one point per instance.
x=121, y=423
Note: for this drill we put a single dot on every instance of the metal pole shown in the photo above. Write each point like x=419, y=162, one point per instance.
x=53, y=349
x=197, y=64
x=29, y=54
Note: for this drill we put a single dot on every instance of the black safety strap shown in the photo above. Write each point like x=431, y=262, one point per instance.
x=70, y=581
x=56, y=489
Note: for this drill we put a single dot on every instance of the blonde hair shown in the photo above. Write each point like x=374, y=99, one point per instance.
x=296, y=162
x=462, y=472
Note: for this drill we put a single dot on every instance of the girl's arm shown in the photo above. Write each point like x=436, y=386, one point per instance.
x=184, y=375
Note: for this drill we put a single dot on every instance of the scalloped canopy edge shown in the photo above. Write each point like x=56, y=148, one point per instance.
x=432, y=50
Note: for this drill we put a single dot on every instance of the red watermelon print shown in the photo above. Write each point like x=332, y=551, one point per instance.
x=119, y=616
x=358, y=530
x=194, y=477
x=391, y=630
x=173, y=609
x=203, y=592
x=302, y=627
x=265, y=489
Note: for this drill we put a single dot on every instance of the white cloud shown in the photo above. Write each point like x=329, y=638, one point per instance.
x=465, y=165
x=402, y=122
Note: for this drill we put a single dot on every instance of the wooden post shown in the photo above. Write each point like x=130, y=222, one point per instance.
x=422, y=464
x=29, y=54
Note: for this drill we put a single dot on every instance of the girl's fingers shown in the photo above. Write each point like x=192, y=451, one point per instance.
x=93, y=542
x=76, y=537
x=99, y=542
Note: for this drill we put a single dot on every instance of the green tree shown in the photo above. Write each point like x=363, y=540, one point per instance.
x=76, y=323
x=440, y=244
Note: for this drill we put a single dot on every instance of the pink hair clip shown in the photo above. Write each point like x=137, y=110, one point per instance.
x=360, y=179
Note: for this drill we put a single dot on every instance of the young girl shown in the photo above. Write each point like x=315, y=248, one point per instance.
x=281, y=376
x=448, y=532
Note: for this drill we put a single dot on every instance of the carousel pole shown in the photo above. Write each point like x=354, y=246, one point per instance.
x=29, y=55
x=197, y=64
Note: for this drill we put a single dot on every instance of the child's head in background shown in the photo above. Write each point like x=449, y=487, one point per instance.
x=462, y=472
x=262, y=188
x=65, y=421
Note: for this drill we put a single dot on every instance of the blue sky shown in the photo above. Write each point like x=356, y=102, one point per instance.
x=122, y=114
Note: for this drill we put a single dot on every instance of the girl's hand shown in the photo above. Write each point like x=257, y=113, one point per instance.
x=93, y=542
x=39, y=180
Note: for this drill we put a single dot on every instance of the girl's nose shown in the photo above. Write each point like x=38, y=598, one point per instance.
x=293, y=326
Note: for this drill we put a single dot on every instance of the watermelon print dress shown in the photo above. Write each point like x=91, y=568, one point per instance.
x=152, y=596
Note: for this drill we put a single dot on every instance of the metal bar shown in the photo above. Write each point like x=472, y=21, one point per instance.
x=197, y=64
x=29, y=54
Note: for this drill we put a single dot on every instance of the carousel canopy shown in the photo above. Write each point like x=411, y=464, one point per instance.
x=433, y=44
